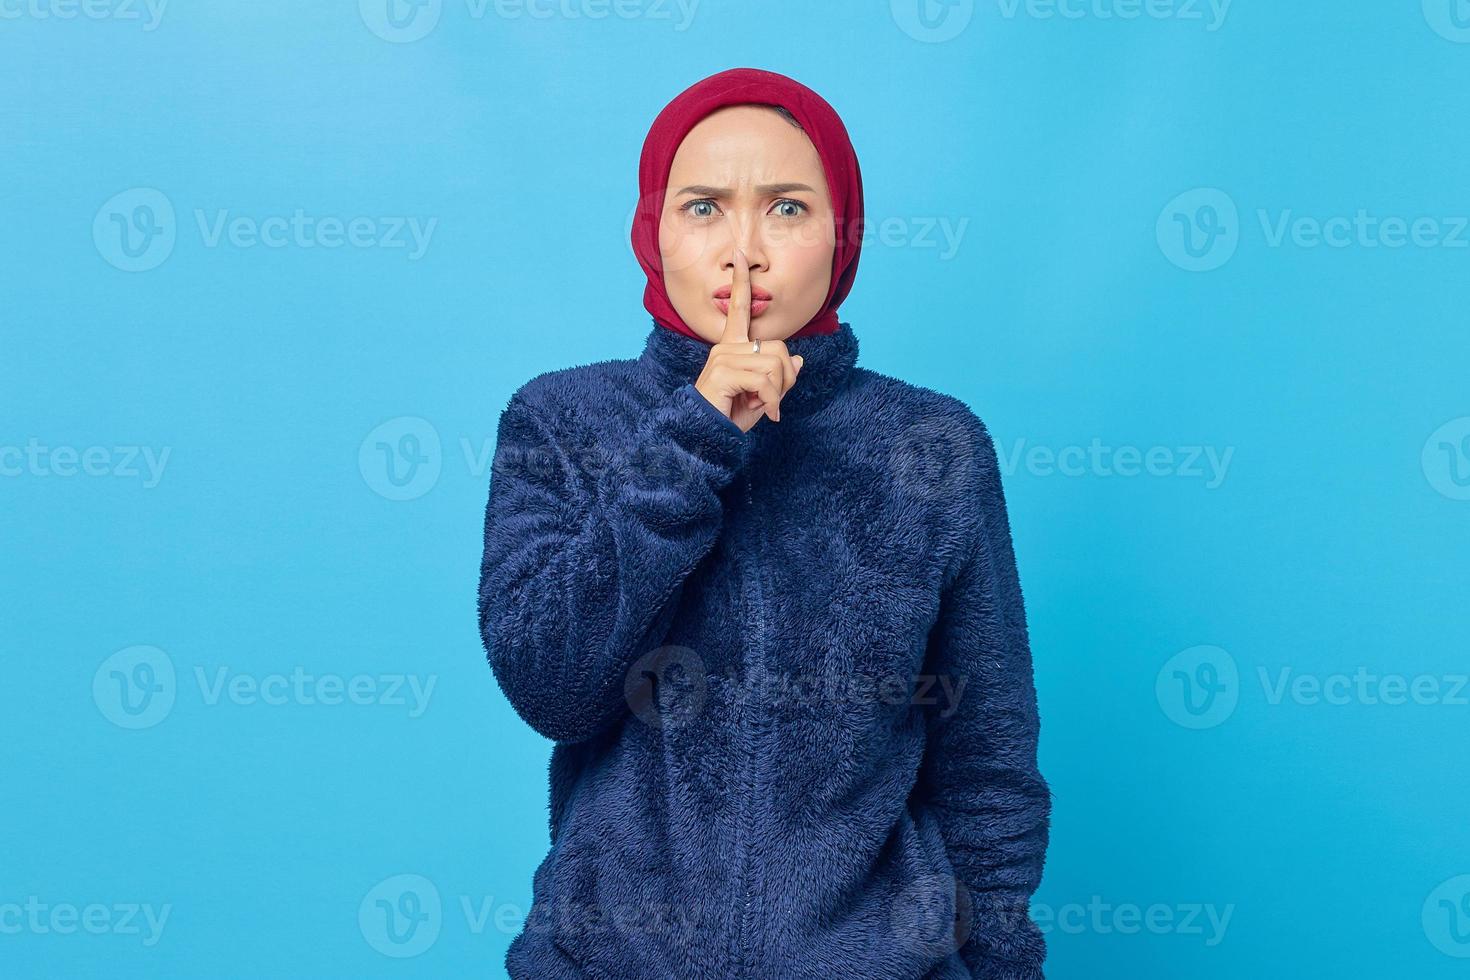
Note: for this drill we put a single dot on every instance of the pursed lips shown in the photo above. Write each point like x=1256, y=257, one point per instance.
x=756, y=293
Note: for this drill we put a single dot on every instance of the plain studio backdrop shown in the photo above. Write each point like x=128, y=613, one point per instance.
x=271, y=270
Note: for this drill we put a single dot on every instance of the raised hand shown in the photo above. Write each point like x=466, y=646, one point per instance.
x=742, y=384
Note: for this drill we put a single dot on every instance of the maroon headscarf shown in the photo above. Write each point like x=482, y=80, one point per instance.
x=739, y=86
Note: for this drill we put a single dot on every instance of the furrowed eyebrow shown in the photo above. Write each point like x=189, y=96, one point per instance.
x=724, y=193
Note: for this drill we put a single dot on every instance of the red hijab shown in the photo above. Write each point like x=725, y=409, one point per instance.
x=739, y=86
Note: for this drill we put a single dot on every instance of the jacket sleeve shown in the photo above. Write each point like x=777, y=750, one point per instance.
x=587, y=540
x=980, y=776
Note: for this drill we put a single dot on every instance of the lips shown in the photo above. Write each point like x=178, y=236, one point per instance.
x=756, y=293
x=757, y=306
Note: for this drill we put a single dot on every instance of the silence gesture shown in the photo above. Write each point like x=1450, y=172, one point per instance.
x=742, y=383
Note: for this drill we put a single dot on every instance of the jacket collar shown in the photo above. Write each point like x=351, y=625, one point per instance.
x=674, y=359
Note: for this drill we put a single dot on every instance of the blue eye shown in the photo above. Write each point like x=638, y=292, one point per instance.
x=689, y=208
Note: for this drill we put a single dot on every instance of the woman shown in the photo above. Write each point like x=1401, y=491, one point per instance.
x=765, y=603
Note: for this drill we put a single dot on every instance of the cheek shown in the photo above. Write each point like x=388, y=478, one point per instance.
x=681, y=244
x=811, y=266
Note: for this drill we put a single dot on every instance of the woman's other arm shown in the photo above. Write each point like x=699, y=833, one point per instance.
x=587, y=542
x=980, y=776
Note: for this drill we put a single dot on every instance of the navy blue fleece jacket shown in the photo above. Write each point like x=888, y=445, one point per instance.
x=787, y=673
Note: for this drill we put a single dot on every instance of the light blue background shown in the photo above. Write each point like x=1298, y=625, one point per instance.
x=1056, y=148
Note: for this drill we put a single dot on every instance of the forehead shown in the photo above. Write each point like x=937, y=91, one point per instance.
x=745, y=143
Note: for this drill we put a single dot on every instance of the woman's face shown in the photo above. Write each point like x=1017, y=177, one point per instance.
x=746, y=177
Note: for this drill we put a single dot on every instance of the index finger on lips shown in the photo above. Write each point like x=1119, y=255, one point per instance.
x=737, y=319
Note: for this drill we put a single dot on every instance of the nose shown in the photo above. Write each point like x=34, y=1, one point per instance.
x=754, y=249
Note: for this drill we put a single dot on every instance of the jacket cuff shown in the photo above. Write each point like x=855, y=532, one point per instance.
x=700, y=429
x=986, y=966
x=1003, y=942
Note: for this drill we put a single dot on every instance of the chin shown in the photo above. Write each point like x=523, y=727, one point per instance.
x=767, y=328
x=761, y=328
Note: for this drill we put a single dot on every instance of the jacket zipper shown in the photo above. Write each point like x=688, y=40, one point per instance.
x=752, y=708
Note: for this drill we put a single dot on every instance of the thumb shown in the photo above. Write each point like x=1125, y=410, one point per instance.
x=798, y=361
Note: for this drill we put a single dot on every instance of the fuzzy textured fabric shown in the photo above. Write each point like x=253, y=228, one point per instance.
x=787, y=673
